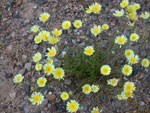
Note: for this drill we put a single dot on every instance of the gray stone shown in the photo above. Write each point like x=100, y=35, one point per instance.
x=67, y=81
x=28, y=66
x=88, y=32
x=11, y=1
x=51, y=97
x=126, y=32
x=26, y=110
x=22, y=71
x=8, y=75
x=143, y=53
x=24, y=56
x=74, y=42
x=35, y=46
x=44, y=103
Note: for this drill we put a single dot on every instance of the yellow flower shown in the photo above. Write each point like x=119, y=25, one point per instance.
x=18, y=78
x=118, y=13
x=137, y=6
x=113, y=82
x=37, y=39
x=96, y=110
x=121, y=40
x=95, y=88
x=133, y=59
x=129, y=86
x=41, y=81
x=105, y=26
x=45, y=35
x=37, y=57
x=96, y=8
x=96, y=30
x=57, y=32
x=44, y=17
x=105, y=70
x=36, y=98
x=59, y=73
x=72, y=106
x=51, y=52
x=49, y=60
x=54, y=40
x=66, y=24
x=86, y=89
x=48, y=68
x=121, y=96
x=134, y=37
x=64, y=96
x=89, y=10
x=124, y=3
x=77, y=24
x=129, y=52
x=131, y=9
x=35, y=28
x=127, y=70
x=89, y=50
x=145, y=15
x=132, y=16
x=38, y=66
x=128, y=94
x=145, y=62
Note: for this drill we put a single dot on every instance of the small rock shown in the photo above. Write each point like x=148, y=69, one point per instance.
x=53, y=108
x=24, y=56
x=9, y=48
x=11, y=1
x=51, y=97
x=26, y=110
x=18, y=2
x=12, y=95
x=74, y=42
x=143, y=53
x=13, y=34
x=67, y=81
x=42, y=2
x=126, y=32
x=8, y=75
x=85, y=108
x=28, y=66
x=35, y=46
x=44, y=103
x=27, y=89
x=88, y=32
x=22, y=71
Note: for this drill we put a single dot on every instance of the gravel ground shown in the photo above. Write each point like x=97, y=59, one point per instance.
x=17, y=48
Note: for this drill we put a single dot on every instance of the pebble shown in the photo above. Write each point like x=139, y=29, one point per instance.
x=11, y=1
x=126, y=32
x=27, y=89
x=8, y=75
x=44, y=103
x=88, y=33
x=24, y=56
x=28, y=66
x=42, y=2
x=74, y=42
x=67, y=81
x=22, y=71
x=51, y=97
x=26, y=110
x=143, y=53
x=12, y=95
x=35, y=46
